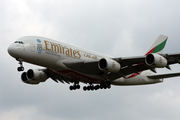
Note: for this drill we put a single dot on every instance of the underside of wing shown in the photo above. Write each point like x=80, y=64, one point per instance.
x=128, y=66
x=58, y=78
x=172, y=58
x=135, y=64
x=161, y=76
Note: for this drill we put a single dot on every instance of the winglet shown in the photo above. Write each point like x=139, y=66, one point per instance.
x=158, y=45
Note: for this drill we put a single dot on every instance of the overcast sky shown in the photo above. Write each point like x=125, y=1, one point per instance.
x=114, y=27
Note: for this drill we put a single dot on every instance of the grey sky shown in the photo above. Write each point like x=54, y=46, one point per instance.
x=116, y=28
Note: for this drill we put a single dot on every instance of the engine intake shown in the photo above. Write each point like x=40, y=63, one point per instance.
x=155, y=60
x=34, y=76
x=109, y=65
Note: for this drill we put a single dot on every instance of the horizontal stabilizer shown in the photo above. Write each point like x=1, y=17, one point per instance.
x=161, y=76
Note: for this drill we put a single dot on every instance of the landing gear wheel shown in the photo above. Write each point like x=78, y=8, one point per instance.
x=92, y=88
x=102, y=85
x=74, y=87
x=20, y=69
x=97, y=87
x=71, y=88
x=78, y=86
x=84, y=88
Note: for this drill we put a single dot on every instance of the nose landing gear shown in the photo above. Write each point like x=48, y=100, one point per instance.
x=21, y=68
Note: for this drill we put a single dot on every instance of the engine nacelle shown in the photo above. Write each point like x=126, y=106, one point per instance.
x=109, y=65
x=155, y=60
x=34, y=76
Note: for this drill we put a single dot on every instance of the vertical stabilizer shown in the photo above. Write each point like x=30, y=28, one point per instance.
x=158, y=45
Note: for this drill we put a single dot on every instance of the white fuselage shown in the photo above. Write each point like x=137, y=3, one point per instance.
x=51, y=54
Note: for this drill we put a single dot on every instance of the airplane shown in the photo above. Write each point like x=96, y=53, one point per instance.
x=69, y=64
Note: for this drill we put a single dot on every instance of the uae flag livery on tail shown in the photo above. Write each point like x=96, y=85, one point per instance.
x=158, y=45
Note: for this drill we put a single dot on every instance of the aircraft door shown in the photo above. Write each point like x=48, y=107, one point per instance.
x=32, y=47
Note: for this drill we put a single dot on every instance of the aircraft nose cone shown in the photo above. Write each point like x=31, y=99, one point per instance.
x=12, y=51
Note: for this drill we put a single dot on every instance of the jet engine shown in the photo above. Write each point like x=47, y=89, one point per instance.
x=156, y=60
x=34, y=76
x=109, y=65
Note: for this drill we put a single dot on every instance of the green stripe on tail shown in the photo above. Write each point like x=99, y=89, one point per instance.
x=160, y=47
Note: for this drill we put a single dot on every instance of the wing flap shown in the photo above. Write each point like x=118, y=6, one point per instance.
x=161, y=76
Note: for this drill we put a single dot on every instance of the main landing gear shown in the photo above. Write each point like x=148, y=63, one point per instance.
x=103, y=85
x=74, y=87
x=21, y=68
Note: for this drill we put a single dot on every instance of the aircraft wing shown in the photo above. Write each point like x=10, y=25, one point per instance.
x=161, y=76
x=172, y=58
x=136, y=64
x=129, y=65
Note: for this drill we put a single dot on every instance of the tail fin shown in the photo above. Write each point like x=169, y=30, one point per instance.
x=158, y=45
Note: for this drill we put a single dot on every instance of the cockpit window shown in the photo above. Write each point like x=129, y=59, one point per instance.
x=20, y=42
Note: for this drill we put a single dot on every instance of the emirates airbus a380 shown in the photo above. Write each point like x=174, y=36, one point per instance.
x=69, y=64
